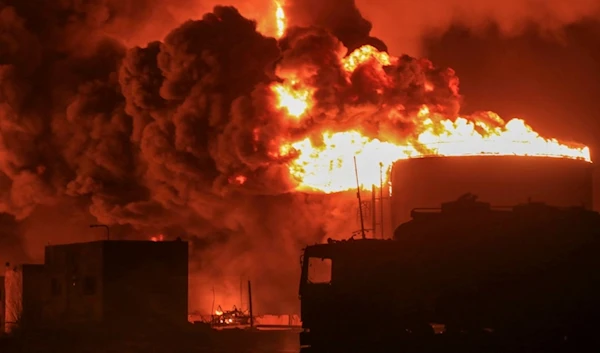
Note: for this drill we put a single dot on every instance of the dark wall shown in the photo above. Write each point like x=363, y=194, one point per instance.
x=146, y=282
x=2, y=304
x=33, y=299
x=73, y=285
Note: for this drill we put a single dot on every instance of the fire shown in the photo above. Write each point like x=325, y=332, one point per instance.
x=363, y=55
x=329, y=166
x=238, y=179
x=157, y=238
x=280, y=19
x=293, y=97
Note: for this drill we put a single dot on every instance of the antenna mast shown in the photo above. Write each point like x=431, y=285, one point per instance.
x=362, y=222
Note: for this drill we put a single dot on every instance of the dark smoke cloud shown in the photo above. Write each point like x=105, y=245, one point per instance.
x=402, y=24
x=341, y=17
x=371, y=94
x=147, y=139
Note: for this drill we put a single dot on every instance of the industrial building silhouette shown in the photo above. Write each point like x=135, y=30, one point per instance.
x=110, y=282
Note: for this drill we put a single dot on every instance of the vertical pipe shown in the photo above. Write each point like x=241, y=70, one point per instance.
x=250, y=305
x=381, y=197
x=241, y=293
x=374, y=211
x=362, y=222
x=212, y=309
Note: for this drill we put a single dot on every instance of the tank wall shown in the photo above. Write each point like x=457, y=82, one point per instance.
x=500, y=180
x=24, y=286
x=13, y=284
x=2, y=304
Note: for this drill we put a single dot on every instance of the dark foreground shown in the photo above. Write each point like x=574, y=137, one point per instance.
x=200, y=340
x=194, y=339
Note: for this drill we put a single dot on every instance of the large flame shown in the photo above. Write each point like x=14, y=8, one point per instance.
x=328, y=166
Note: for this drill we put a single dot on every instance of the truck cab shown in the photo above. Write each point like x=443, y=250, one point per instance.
x=349, y=294
x=468, y=266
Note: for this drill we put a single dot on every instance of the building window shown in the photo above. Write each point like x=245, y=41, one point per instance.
x=319, y=270
x=89, y=285
x=56, y=288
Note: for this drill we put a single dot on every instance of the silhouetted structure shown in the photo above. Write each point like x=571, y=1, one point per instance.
x=523, y=271
x=500, y=180
x=23, y=295
x=2, y=304
x=117, y=283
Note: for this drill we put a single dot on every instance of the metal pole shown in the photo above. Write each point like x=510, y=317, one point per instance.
x=381, y=197
x=362, y=222
x=241, y=293
x=102, y=226
x=374, y=211
x=212, y=309
x=250, y=305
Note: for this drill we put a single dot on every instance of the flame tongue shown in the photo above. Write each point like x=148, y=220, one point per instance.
x=280, y=19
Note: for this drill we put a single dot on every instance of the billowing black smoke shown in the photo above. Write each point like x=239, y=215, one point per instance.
x=151, y=139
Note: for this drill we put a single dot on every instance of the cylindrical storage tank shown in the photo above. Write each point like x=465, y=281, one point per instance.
x=500, y=180
x=13, y=310
x=2, y=304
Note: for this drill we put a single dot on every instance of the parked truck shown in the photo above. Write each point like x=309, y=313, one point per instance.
x=526, y=271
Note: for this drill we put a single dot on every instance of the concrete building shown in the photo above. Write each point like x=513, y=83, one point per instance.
x=23, y=297
x=117, y=283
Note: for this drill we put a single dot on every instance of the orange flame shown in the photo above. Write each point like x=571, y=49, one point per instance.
x=238, y=179
x=280, y=19
x=363, y=55
x=329, y=166
x=157, y=238
x=293, y=97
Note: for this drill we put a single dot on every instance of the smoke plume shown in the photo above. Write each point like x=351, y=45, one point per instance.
x=148, y=139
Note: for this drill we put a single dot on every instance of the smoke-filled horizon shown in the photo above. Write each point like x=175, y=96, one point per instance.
x=120, y=112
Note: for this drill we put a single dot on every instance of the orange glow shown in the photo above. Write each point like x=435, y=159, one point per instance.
x=280, y=19
x=329, y=167
x=293, y=97
x=238, y=180
x=157, y=238
x=363, y=55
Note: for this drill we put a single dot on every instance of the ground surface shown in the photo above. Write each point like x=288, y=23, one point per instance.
x=203, y=340
x=111, y=341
